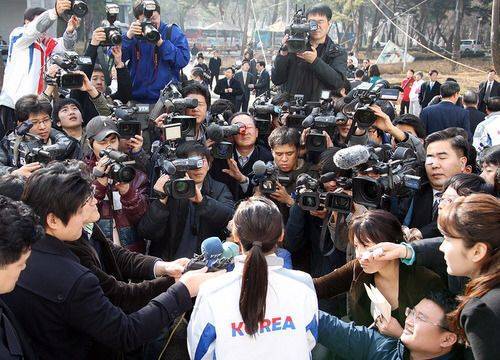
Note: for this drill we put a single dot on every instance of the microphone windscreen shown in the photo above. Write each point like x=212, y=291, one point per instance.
x=215, y=132
x=211, y=247
x=259, y=168
x=231, y=250
x=351, y=157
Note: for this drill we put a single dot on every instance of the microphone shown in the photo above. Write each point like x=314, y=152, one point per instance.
x=260, y=168
x=231, y=250
x=351, y=157
x=211, y=249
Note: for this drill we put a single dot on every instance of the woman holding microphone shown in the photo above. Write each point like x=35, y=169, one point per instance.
x=275, y=315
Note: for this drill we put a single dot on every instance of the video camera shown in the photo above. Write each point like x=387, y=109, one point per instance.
x=266, y=176
x=312, y=197
x=120, y=170
x=149, y=32
x=172, y=103
x=364, y=96
x=126, y=120
x=263, y=111
x=299, y=31
x=178, y=187
x=68, y=62
x=223, y=149
x=397, y=170
x=113, y=33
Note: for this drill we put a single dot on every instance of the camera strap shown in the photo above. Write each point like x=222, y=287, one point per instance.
x=15, y=150
x=324, y=229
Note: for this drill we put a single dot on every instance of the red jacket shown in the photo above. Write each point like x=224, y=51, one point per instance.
x=134, y=204
x=406, y=85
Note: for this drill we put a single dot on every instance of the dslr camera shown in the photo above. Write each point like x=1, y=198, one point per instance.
x=149, y=32
x=299, y=32
x=120, y=169
x=172, y=103
x=66, y=78
x=113, y=33
x=364, y=96
x=266, y=176
x=312, y=197
x=79, y=8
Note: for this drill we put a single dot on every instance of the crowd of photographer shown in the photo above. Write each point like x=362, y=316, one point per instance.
x=114, y=201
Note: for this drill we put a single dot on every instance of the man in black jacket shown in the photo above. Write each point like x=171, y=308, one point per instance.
x=19, y=230
x=488, y=89
x=470, y=100
x=229, y=88
x=214, y=65
x=96, y=75
x=237, y=172
x=321, y=68
x=60, y=302
x=429, y=89
x=35, y=112
x=263, y=82
x=176, y=227
x=246, y=80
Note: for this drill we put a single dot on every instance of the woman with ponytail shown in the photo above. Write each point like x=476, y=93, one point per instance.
x=260, y=310
x=471, y=229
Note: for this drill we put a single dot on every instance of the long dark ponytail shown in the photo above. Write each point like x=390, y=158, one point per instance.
x=258, y=225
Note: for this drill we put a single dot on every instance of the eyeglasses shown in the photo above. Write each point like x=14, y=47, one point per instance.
x=91, y=197
x=41, y=121
x=417, y=315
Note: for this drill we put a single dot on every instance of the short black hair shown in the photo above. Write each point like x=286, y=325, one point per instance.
x=493, y=104
x=189, y=148
x=359, y=73
x=458, y=142
x=327, y=165
x=31, y=104
x=284, y=136
x=19, y=229
x=30, y=13
x=59, y=104
x=433, y=71
x=413, y=121
x=12, y=186
x=449, y=88
x=224, y=107
x=245, y=62
x=320, y=9
x=412, y=71
x=57, y=189
x=446, y=301
x=373, y=70
x=138, y=8
x=470, y=97
x=197, y=72
x=466, y=184
x=199, y=89
x=491, y=156
x=261, y=63
x=230, y=68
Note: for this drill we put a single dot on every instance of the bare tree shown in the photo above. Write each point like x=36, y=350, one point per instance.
x=459, y=15
x=495, y=34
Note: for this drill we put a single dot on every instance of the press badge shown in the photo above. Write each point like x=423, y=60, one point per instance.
x=117, y=204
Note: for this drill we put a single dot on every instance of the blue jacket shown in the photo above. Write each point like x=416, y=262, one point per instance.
x=152, y=67
x=444, y=115
x=348, y=341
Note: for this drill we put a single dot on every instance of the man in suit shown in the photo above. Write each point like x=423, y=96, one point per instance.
x=236, y=172
x=358, y=78
x=263, y=82
x=214, y=66
x=470, y=100
x=19, y=230
x=446, y=155
x=446, y=114
x=488, y=89
x=429, y=89
x=245, y=78
x=60, y=302
x=229, y=88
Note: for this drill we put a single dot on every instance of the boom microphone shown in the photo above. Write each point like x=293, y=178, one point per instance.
x=351, y=157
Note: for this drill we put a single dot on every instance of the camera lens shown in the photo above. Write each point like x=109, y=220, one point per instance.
x=115, y=37
x=309, y=201
x=364, y=118
x=124, y=174
x=80, y=8
x=151, y=34
x=181, y=187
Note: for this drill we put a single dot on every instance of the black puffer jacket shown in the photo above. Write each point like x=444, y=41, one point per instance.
x=327, y=72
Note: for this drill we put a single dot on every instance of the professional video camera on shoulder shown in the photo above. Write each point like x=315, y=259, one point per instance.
x=172, y=103
x=149, y=32
x=299, y=31
x=396, y=173
x=263, y=111
x=120, y=169
x=312, y=197
x=266, y=176
x=113, y=33
x=365, y=95
x=221, y=132
x=68, y=62
x=30, y=148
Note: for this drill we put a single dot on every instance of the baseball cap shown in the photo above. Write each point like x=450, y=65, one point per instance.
x=100, y=127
